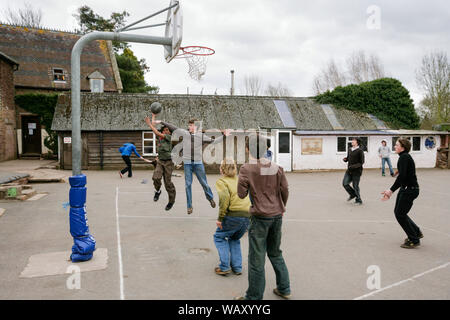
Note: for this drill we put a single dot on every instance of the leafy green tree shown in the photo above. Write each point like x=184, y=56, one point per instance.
x=131, y=69
x=132, y=73
x=385, y=98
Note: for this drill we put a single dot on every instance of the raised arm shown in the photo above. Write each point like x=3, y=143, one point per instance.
x=150, y=124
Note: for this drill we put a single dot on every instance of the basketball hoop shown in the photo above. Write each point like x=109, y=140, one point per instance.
x=197, y=58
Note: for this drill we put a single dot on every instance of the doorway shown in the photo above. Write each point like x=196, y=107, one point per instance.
x=31, y=136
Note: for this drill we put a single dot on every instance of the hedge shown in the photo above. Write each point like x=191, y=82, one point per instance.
x=385, y=98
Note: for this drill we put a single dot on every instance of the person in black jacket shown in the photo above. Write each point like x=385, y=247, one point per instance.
x=355, y=160
x=409, y=190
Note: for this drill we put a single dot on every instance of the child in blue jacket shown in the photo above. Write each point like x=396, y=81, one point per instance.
x=126, y=150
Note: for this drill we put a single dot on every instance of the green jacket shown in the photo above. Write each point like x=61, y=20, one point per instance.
x=229, y=202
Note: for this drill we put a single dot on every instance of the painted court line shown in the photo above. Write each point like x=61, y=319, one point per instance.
x=403, y=281
x=119, y=249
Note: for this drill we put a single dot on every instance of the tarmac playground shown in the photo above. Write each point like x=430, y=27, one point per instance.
x=331, y=247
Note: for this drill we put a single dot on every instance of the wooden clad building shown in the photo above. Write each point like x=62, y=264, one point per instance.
x=305, y=135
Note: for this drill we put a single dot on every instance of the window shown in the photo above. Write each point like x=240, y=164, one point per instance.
x=394, y=141
x=58, y=75
x=345, y=143
x=415, y=143
x=284, y=145
x=148, y=143
x=96, y=85
x=341, y=144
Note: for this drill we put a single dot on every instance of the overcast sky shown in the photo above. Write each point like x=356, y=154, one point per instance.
x=283, y=41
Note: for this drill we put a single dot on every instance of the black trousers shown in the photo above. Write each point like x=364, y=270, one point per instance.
x=128, y=167
x=403, y=205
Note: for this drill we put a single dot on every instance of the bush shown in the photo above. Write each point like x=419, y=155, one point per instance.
x=385, y=98
x=43, y=105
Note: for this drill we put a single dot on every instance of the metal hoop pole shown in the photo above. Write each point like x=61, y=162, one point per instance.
x=150, y=16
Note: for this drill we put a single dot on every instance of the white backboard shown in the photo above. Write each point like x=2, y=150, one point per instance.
x=174, y=30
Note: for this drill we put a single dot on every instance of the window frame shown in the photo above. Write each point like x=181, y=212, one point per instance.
x=63, y=74
x=411, y=139
x=149, y=139
x=348, y=140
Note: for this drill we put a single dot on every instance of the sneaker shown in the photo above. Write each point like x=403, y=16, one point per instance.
x=410, y=245
x=392, y=175
x=169, y=206
x=220, y=272
x=383, y=174
x=239, y=298
x=213, y=204
x=238, y=273
x=121, y=175
x=157, y=194
x=284, y=296
x=420, y=236
x=189, y=210
x=351, y=198
x=358, y=203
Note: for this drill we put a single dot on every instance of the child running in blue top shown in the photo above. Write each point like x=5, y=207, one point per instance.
x=126, y=150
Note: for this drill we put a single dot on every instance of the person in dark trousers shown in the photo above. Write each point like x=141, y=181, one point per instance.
x=126, y=150
x=355, y=160
x=409, y=190
x=164, y=165
x=267, y=186
x=193, y=141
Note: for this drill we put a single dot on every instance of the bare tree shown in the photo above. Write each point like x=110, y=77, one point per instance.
x=329, y=78
x=434, y=79
x=359, y=69
x=253, y=85
x=26, y=17
x=277, y=91
x=362, y=69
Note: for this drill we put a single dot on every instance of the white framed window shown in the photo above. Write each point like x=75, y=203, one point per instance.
x=416, y=143
x=345, y=143
x=96, y=85
x=58, y=75
x=148, y=143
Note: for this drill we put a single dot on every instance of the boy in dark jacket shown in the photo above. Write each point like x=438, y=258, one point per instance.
x=355, y=160
x=409, y=191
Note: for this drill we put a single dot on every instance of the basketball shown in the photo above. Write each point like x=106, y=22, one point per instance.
x=155, y=107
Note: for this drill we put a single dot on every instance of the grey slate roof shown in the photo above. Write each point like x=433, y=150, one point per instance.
x=116, y=112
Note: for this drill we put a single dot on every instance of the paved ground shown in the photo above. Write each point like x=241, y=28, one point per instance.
x=328, y=243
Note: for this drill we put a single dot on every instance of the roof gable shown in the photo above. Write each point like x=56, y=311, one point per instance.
x=39, y=51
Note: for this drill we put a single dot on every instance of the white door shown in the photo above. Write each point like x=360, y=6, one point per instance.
x=283, y=149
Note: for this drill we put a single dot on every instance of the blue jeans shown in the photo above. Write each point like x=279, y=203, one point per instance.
x=383, y=162
x=228, y=243
x=199, y=170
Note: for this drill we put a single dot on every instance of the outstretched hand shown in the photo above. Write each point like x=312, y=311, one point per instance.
x=386, y=195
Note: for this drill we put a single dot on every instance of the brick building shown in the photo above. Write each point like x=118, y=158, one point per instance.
x=8, y=144
x=44, y=58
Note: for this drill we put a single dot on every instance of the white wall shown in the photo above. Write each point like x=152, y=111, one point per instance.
x=331, y=159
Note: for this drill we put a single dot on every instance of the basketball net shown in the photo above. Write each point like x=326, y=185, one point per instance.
x=197, y=59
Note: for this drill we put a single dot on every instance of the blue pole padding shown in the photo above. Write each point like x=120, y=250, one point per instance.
x=84, y=242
